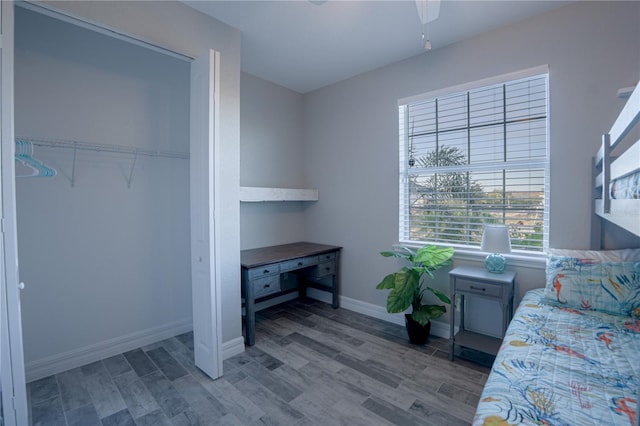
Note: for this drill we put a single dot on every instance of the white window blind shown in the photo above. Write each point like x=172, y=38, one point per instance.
x=475, y=157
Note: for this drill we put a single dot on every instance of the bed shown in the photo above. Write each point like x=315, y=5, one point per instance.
x=617, y=179
x=563, y=366
x=571, y=354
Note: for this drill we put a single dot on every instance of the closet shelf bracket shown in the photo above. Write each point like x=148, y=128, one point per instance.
x=73, y=165
x=133, y=166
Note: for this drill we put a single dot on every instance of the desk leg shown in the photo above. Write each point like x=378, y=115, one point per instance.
x=250, y=314
x=335, y=281
x=302, y=286
x=334, y=291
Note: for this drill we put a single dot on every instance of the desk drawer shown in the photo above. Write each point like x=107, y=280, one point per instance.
x=326, y=257
x=264, y=271
x=484, y=289
x=326, y=269
x=265, y=286
x=303, y=262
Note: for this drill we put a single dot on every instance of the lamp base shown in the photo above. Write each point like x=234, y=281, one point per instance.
x=495, y=263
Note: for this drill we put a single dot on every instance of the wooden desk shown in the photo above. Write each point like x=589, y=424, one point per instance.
x=316, y=265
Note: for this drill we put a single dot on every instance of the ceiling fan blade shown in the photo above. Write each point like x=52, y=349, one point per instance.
x=428, y=10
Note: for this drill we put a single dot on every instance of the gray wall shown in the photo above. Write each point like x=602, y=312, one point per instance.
x=592, y=50
x=271, y=153
x=182, y=29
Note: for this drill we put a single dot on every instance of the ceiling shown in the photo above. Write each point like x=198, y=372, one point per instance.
x=307, y=44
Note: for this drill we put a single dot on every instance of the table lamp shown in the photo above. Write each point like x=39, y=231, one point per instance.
x=495, y=240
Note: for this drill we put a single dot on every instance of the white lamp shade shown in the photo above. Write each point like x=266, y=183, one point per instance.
x=495, y=239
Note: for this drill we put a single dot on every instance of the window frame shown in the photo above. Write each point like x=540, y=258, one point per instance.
x=403, y=229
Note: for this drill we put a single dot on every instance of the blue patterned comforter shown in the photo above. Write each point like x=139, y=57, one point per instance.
x=562, y=366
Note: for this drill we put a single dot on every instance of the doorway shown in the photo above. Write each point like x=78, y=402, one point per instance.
x=94, y=284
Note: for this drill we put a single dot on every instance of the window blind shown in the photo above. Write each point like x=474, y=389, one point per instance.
x=475, y=157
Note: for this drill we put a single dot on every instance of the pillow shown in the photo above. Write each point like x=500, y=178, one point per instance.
x=624, y=255
x=594, y=284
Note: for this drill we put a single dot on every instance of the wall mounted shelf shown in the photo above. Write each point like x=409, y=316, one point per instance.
x=256, y=194
x=625, y=92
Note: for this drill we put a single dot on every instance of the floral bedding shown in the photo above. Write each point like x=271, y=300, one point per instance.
x=564, y=366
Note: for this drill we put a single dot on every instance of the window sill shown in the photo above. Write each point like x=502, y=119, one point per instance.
x=520, y=260
x=517, y=259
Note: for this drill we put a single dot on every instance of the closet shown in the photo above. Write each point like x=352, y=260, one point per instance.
x=104, y=244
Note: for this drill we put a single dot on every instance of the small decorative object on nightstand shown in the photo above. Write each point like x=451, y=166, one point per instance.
x=470, y=281
x=495, y=240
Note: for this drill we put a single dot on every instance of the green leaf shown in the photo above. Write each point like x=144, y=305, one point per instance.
x=407, y=254
x=421, y=317
x=389, y=253
x=410, y=253
x=427, y=313
x=388, y=282
x=404, y=291
x=433, y=257
x=440, y=295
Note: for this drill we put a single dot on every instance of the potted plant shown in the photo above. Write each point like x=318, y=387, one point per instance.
x=408, y=287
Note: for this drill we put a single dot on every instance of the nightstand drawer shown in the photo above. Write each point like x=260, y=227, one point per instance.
x=303, y=262
x=264, y=271
x=483, y=289
x=265, y=286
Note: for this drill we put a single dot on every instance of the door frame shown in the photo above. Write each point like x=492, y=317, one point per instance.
x=204, y=199
x=14, y=390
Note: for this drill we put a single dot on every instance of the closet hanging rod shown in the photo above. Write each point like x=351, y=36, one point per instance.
x=120, y=149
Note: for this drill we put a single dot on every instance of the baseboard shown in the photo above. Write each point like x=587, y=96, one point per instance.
x=78, y=357
x=233, y=347
x=438, y=328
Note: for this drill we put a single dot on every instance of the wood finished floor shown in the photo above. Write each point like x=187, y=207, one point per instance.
x=311, y=365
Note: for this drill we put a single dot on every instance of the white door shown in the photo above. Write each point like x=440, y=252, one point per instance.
x=14, y=393
x=205, y=287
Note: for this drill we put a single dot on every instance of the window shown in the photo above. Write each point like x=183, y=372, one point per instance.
x=476, y=156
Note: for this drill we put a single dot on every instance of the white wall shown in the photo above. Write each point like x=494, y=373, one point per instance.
x=351, y=130
x=271, y=153
x=101, y=260
x=177, y=27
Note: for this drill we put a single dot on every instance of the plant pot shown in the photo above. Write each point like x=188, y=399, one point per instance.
x=418, y=334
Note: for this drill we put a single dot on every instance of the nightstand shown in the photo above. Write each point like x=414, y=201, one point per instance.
x=468, y=281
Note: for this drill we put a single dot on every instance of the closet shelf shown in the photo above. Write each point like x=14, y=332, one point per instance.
x=259, y=194
x=60, y=143
x=87, y=146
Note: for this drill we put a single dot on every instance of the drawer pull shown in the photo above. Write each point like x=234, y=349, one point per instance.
x=266, y=286
x=477, y=288
x=300, y=263
x=266, y=271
